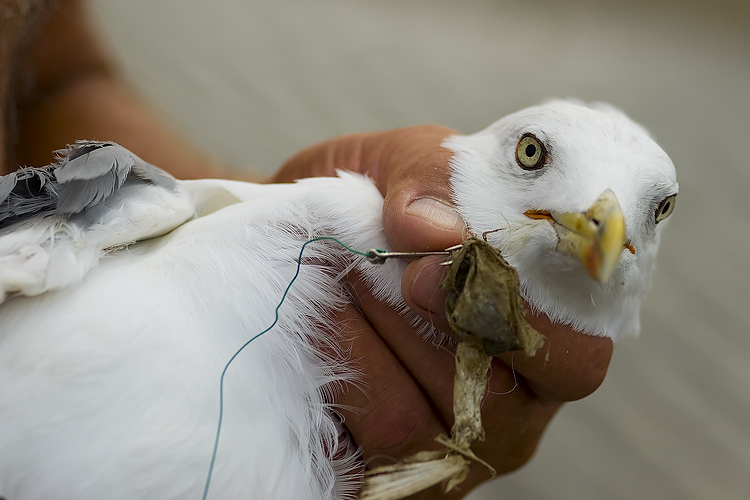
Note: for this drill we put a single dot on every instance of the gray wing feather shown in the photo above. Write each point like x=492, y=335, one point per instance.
x=148, y=172
x=87, y=173
x=25, y=193
x=7, y=183
x=90, y=172
x=92, y=160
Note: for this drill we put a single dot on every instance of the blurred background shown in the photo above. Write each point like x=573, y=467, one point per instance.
x=252, y=81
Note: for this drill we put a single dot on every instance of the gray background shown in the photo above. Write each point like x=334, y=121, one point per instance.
x=252, y=82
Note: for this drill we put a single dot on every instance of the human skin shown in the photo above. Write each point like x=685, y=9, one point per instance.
x=63, y=86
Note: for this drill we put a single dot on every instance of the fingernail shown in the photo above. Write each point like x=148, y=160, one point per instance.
x=436, y=213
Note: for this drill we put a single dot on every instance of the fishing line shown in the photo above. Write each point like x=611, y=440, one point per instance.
x=372, y=256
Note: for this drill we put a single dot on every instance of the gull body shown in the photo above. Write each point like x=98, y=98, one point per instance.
x=123, y=307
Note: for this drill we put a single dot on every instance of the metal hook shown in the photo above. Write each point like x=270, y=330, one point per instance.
x=378, y=256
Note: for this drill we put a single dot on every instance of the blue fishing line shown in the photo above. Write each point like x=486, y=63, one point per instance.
x=275, y=321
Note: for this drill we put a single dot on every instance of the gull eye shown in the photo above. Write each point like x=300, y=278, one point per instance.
x=530, y=153
x=666, y=207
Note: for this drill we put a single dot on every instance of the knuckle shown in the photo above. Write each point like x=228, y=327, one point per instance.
x=576, y=378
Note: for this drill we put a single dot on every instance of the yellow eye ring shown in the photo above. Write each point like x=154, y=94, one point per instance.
x=530, y=153
x=666, y=207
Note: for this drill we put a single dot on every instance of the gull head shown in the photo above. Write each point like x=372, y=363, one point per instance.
x=575, y=197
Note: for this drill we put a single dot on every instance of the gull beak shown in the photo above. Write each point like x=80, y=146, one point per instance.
x=595, y=237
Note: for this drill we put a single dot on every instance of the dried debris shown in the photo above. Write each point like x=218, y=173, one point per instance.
x=485, y=309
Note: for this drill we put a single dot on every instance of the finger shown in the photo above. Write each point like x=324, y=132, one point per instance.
x=420, y=288
x=417, y=212
x=417, y=215
x=514, y=416
x=392, y=417
x=514, y=422
x=569, y=366
x=387, y=414
x=430, y=366
x=512, y=411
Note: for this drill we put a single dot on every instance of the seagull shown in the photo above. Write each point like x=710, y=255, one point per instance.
x=125, y=294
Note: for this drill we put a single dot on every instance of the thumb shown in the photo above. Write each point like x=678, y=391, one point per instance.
x=418, y=214
x=422, y=223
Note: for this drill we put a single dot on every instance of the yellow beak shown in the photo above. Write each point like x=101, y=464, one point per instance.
x=595, y=237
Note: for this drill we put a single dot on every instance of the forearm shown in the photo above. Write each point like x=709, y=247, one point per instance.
x=68, y=89
x=100, y=107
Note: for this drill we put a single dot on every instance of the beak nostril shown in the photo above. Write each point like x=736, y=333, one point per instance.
x=595, y=221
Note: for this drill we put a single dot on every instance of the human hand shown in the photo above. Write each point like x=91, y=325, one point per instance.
x=408, y=399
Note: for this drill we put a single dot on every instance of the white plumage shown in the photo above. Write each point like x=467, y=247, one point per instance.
x=111, y=351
